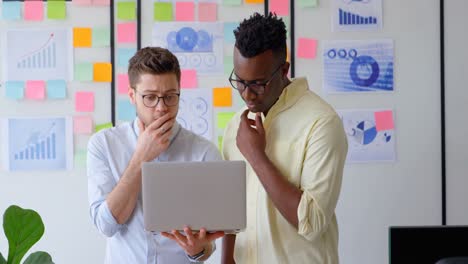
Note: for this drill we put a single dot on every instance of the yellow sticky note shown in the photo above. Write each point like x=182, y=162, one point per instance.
x=102, y=72
x=82, y=37
x=254, y=1
x=222, y=97
x=223, y=119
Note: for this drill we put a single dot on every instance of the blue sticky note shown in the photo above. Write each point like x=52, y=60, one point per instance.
x=123, y=56
x=229, y=31
x=56, y=89
x=125, y=110
x=11, y=10
x=14, y=90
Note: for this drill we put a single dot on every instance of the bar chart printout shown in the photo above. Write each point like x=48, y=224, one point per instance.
x=355, y=15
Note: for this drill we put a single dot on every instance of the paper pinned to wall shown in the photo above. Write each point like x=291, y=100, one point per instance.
x=196, y=111
x=56, y=89
x=82, y=37
x=33, y=10
x=162, y=11
x=307, y=48
x=14, y=90
x=280, y=7
x=356, y=15
x=384, y=120
x=207, y=12
x=35, y=90
x=124, y=55
x=84, y=101
x=122, y=83
x=188, y=79
x=102, y=72
x=82, y=125
x=101, y=37
x=126, y=32
x=126, y=10
x=83, y=71
x=56, y=9
x=11, y=10
x=223, y=118
x=125, y=110
x=222, y=97
x=185, y=11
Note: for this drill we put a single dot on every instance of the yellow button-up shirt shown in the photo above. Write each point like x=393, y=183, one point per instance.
x=307, y=143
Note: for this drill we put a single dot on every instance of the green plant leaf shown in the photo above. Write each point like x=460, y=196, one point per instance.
x=39, y=257
x=2, y=259
x=23, y=228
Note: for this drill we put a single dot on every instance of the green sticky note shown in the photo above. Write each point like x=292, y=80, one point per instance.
x=232, y=2
x=56, y=10
x=126, y=10
x=223, y=119
x=99, y=127
x=101, y=37
x=220, y=143
x=308, y=3
x=228, y=65
x=80, y=158
x=163, y=11
x=84, y=72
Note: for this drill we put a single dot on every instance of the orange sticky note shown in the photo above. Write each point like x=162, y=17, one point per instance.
x=35, y=90
x=222, y=97
x=122, y=83
x=102, y=72
x=82, y=37
x=254, y=1
x=280, y=7
x=84, y=101
x=207, y=12
x=185, y=11
x=82, y=125
x=307, y=48
x=33, y=10
x=126, y=32
x=188, y=79
x=384, y=120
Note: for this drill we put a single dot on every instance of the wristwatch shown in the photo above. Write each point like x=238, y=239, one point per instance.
x=197, y=256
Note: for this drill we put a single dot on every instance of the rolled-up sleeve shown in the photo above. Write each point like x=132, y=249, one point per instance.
x=321, y=177
x=100, y=184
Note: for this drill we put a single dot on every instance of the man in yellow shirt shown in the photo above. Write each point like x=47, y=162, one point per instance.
x=296, y=148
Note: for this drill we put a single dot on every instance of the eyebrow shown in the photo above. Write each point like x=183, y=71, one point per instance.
x=155, y=91
x=249, y=81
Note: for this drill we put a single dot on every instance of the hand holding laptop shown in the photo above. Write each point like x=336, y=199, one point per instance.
x=193, y=242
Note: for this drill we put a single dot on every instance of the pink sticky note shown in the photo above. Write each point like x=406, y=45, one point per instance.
x=33, y=10
x=82, y=125
x=84, y=101
x=185, y=11
x=122, y=83
x=384, y=120
x=307, y=48
x=82, y=2
x=188, y=79
x=35, y=90
x=207, y=12
x=101, y=2
x=126, y=32
x=280, y=7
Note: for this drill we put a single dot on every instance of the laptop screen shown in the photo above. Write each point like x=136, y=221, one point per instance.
x=423, y=245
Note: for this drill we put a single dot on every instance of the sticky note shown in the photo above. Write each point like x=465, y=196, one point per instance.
x=126, y=32
x=220, y=142
x=222, y=119
x=56, y=9
x=307, y=48
x=254, y=1
x=35, y=90
x=80, y=158
x=82, y=125
x=82, y=37
x=384, y=120
x=56, y=89
x=232, y=2
x=280, y=7
x=163, y=11
x=307, y=3
x=122, y=83
x=222, y=97
x=82, y=2
x=101, y=37
x=11, y=10
x=14, y=89
x=207, y=11
x=188, y=79
x=125, y=110
x=102, y=72
x=126, y=10
x=185, y=11
x=102, y=126
x=124, y=55
x=228, y=65
x=229, y=28
x=33, y=10
x=84, y=101
x=101, y=2
x=83, y=71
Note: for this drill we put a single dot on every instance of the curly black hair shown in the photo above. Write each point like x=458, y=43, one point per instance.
x=260, y=33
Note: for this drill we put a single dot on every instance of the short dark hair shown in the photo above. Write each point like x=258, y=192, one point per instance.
x=260, y=33
x=152, y=60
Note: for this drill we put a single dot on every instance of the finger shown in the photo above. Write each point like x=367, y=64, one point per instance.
x=167, y=235
x=160, y=121
x=215, y=235
x=180, y=238
x=166, y=127
x=244, y=115
x=251, y=122
x=202, y=234
x=259, y=123
x=190, y=237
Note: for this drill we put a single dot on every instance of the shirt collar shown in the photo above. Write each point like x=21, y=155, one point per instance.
x=290, y=95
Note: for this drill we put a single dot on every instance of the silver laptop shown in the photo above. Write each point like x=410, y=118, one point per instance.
x=198, y=194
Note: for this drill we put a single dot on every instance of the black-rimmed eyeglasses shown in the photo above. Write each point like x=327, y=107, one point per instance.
x=255, y=86
x=152, y=100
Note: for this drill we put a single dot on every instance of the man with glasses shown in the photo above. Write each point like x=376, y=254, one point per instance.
x=295, y=146
x=114, y=164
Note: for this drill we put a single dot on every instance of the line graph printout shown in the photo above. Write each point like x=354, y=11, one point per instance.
x=37, y=54
x=37, y=144
x=196, y=111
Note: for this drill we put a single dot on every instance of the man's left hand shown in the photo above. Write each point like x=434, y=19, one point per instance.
x=251, y=139
x=193, y=243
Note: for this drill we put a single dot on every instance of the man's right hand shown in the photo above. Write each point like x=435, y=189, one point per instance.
x=153, y=139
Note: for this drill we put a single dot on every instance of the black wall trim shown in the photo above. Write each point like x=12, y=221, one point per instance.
x=138, y=24
x=293, y=40
x=442, y=112
x=112, y=48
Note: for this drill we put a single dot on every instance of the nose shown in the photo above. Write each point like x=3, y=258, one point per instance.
x=161, y=106
x=248, y=95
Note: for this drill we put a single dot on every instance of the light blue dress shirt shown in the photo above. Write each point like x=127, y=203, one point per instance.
x=109, y=152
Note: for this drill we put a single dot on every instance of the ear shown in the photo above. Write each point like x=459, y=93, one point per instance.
x=132, y=95
x=285, y=69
